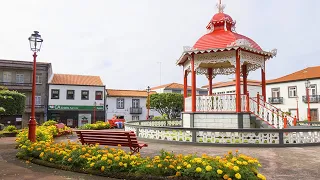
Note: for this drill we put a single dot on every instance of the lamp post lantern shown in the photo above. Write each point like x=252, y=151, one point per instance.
x=35, y=41
x=94, y=111
x=148, y=99
x=308, y=98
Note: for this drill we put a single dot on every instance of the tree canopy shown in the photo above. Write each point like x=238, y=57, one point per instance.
x=170, y=104
x=12, y=102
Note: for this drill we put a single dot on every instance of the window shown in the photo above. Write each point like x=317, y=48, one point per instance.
x=38, y=79
x=6, y=76
x=292, y=91
x=98, y=95
x=176, y=91
x=120, y=103
x=313, y=89
x=275, y=92
x=135, y=118
x=70, y=94
x=19, y=78
x=55, y=93
x=135, y=103
x=38, y=100
x=84, y=95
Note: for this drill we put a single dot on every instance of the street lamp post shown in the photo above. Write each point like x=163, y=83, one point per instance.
x=94, y=111
x=148, y=99
x=308, y=99
x=297, y=108
x=35, y=41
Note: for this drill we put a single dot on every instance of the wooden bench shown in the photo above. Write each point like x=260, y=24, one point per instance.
x=111, y=138
x=61, y=126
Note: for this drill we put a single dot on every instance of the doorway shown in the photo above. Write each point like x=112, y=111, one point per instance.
x=314, y=114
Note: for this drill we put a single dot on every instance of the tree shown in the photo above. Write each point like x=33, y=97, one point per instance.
x=12, y=102
x=170, y=104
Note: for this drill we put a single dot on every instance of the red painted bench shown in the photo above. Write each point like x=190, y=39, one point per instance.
x=61, y=126
x=111, y=138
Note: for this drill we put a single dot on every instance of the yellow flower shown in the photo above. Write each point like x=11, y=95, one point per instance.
x=198, y=169
x=110, y=155
x=238, y=176
x=171, y=166
x=261, y=176
x=83, y=149
x=208, y=168
x=225, y=176
x=185, y=163
x=24, y=147
x=125, y=165
x=159, y=165
x=259, y=165
x=70, y=159
x=219, y=171
x=41, y=154
x=189, y=166
x=120, y=163
x=92, y=164
x=51, y=159
x=109, y=161
x=245, y=163
x=27, y=162
x=117, y=158
x=236, y=168
x=178, y=173
x=179, y=167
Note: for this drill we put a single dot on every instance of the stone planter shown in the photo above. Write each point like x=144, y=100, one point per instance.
x=10, y=134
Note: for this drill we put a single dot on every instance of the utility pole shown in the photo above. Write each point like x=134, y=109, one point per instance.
x=160, y=71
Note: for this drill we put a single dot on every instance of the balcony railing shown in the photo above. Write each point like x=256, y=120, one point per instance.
x=276, y=100
x=313, y=98
x=17, y=86
x=135, y=110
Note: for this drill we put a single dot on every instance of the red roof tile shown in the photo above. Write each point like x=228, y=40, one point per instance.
x=71, y=79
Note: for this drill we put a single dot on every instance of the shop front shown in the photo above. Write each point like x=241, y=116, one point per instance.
x=76, y=116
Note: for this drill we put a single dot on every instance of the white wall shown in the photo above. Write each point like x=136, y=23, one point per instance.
x=162, y=90
x=253, y=90
x=112, y=108
x=77, y=96
x=291, y=103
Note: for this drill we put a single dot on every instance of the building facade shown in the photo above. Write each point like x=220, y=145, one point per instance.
x=128, y=104
x=229, y=87
x=177, y=88
x=17, y=75
x=289, y=93
x=76, y=99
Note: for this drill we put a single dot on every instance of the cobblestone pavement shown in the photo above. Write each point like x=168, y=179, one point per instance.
x=296, y=163
x=12, y=168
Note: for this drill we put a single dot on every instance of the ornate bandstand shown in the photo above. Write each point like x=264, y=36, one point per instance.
x=222, y=51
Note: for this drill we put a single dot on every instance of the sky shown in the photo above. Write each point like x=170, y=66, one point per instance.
x=135, y=44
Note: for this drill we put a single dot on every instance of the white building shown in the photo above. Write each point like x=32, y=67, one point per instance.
x=289, y=92
x=229, y=87
x=128, y=104
x=177, y=88
x=76, y=99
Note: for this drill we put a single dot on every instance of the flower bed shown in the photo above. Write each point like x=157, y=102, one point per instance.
x=72, y=155
x=96, y=126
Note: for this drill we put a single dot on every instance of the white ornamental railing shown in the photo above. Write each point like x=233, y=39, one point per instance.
x=250, y=137
x=188, y=104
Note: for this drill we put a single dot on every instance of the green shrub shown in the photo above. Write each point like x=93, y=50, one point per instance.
x=10, y=128
x=12, y=101
x=96, y=126
x=49, y=123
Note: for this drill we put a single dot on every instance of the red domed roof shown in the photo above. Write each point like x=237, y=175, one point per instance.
x=221, y=17
x=222, y=34
x=222, y=39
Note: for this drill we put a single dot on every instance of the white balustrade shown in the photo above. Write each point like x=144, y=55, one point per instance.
x=188, y=104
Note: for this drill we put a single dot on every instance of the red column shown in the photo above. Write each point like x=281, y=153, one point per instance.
x=193, y=86
x=263, y=79
x=185, y=84
x=210, y=81
x=244, y=76
x=308, y=99
x=238, y=88
x=32, y=122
